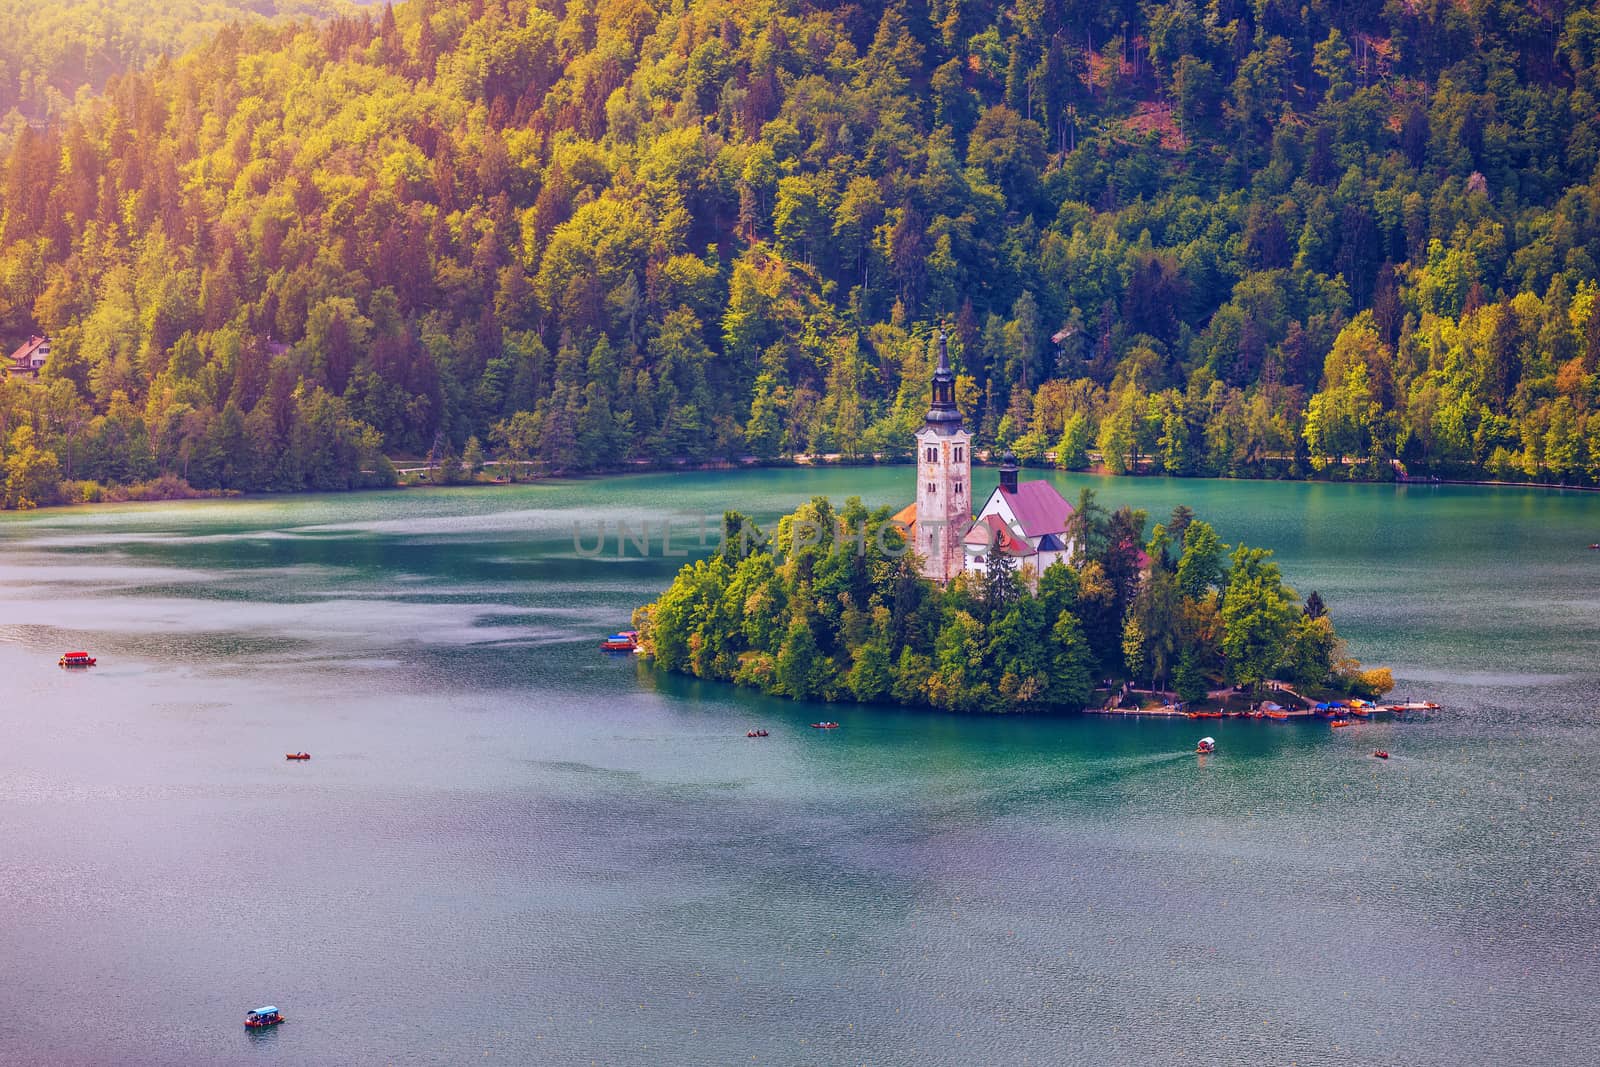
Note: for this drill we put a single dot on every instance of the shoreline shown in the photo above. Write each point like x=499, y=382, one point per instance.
x=798, y=462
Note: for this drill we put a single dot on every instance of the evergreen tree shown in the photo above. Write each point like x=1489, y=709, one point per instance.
x=472, y=457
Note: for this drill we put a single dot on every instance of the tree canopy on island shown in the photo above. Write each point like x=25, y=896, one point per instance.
x=1236, y=239
x=832, y=608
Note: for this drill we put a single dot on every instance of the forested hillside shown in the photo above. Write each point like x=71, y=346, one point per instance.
x=49, y=49
x=1236, y=239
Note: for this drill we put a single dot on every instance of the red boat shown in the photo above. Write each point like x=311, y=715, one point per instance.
x=824, y=726
x=621, y=641
x=297, y=755
x=1205, y=714
x=1336, y=723
x=76, y=659
x=262, y=1018
x=1381, y=754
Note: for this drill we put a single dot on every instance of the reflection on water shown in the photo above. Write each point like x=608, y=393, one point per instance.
x=508, y=845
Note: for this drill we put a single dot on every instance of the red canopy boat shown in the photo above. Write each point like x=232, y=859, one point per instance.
x=263, y=1017
x=621, y=641
x=76, y=659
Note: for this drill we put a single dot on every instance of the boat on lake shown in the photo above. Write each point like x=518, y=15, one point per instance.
x=262, y=1018
x=755, y=733
x=1382, y=753
x=621, y=641
x=1336, y=723
x=824, y=726
x=1207, y=745
x=297, y=755
x=76, y=659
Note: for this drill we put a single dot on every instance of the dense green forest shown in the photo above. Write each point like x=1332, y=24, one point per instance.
x=50, y=49
x=1249, y=239
x=829, y=609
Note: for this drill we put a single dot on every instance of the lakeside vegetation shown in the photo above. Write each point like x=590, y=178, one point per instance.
x=831, y=609
x=1258, y=240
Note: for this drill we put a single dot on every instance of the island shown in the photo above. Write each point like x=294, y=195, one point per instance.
x=1032, y=605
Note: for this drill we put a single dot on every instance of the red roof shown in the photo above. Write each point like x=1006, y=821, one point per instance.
x=996, y=535
x=1039, y=508
x=1140, y=556
x=25, y=351
x=907, y=517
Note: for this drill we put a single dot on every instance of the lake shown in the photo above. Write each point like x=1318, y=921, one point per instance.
x=508, y=847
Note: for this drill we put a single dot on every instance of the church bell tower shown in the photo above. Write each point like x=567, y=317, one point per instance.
x=944, y=479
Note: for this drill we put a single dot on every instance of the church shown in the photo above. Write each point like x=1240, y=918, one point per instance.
x=1027, y=521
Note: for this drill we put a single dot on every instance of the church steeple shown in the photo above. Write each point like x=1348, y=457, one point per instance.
x=1008, y=472
x=944, y=417
x=944, y=479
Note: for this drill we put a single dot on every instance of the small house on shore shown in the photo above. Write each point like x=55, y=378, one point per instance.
x=29, y=358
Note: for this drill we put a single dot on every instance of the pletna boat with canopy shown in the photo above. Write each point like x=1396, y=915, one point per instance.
x=263, y=1017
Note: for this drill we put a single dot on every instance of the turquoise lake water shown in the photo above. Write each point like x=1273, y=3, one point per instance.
x=510, y=848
